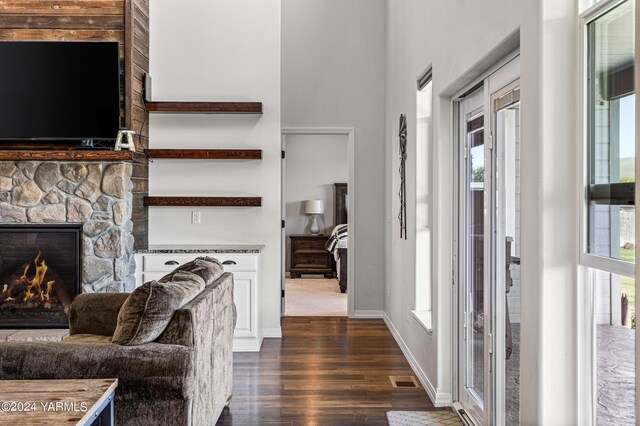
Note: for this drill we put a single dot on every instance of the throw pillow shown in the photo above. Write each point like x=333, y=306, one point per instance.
x=149, y=309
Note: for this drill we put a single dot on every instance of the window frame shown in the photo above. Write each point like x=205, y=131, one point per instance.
x=422, y=313
x=614, y=266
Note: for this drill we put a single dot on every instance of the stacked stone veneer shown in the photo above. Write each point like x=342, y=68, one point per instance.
x=96, y=194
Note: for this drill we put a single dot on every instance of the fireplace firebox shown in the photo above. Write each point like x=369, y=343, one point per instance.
x=39, y=274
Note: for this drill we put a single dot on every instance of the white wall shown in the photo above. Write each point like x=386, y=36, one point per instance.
x=333, y=76
x=312, y=165
x=461, y=40
x=218, y=50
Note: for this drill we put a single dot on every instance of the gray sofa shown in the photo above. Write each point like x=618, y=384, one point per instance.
x=184, y=377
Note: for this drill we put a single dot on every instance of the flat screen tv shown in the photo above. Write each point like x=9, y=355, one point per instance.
x=59, y=91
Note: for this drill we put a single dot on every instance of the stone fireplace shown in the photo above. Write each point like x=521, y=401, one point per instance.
x=94, y=195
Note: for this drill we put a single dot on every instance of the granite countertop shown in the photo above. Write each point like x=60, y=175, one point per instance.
x=202, y=248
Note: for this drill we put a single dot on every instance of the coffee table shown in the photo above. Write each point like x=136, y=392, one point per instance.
x=56, y=402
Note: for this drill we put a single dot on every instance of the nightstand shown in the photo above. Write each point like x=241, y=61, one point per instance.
x=308, y=256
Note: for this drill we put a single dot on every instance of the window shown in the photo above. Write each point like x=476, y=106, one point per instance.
x=610, y=233
x=606, y=335
x=424, y=129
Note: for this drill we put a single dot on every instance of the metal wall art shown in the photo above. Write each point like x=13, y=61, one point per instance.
x=402, y=216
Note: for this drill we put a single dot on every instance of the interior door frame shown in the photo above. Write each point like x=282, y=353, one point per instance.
x=283, y=235
x=349, y=132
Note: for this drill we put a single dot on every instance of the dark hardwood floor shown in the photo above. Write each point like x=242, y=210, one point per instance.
x=324, y=371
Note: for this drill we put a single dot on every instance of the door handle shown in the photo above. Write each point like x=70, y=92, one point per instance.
x=229, y=262
x=171, y=262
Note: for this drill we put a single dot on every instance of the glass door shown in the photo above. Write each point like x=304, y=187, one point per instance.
x=506, y=289
x=473, y=337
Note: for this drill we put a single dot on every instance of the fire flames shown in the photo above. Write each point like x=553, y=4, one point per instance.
x=34, y=291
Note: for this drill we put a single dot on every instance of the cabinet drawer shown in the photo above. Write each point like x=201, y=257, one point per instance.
x=238, y=262
x=164, y=262
x=310, y=244
x=168, y=262
x=312, y=261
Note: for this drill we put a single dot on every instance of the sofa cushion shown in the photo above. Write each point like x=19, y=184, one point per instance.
x=208, y=268
x=149, y=309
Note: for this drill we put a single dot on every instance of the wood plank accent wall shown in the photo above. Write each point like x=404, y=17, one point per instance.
x=136, y=65
x=126, y=21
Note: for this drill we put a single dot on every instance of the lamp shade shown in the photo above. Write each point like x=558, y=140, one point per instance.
x=314, y=207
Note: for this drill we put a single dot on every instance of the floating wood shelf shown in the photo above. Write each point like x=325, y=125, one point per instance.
x=70, y=155
x=203, y=201
x=214, y=154
x=205, y=107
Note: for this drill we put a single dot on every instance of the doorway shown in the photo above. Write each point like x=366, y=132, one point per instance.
x=315, y=175
x=488, y=248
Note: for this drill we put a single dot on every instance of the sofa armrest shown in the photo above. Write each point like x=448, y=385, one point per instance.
x=95, y=313
x=151, y=371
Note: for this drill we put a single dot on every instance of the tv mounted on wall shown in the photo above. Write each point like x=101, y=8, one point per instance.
x=59, y=91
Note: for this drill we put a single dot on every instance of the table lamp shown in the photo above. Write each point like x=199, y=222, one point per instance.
x=314, y=208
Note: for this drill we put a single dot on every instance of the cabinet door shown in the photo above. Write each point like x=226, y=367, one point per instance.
x=245, y=299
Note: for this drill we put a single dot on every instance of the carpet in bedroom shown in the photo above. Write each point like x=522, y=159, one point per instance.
x=314, y=297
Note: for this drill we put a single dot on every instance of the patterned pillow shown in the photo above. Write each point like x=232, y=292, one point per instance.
x=149, y=309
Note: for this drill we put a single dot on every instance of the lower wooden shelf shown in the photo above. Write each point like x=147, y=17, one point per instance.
x=203, y=201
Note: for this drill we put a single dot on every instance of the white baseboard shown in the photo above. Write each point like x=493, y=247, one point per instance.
x=439, y=399
x=248, y=344
x=367, y=314
x=272, y=333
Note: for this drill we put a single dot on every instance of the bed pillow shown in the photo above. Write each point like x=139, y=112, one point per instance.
x=208, y=268
x=149, y=309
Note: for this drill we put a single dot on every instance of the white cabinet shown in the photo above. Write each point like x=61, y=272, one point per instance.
x=245, y=267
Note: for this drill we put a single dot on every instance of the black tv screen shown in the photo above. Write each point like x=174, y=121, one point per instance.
x=59, y=91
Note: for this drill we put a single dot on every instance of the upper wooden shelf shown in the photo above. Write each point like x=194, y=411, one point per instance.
x=205, y=107
x=213, y=154
x=70, y=155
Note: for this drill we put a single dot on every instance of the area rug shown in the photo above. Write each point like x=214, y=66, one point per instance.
x=422, y=418
x=314, y=297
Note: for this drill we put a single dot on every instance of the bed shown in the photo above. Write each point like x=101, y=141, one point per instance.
x=337, y=243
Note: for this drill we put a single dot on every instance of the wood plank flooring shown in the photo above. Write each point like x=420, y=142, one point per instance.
x=324, y=371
